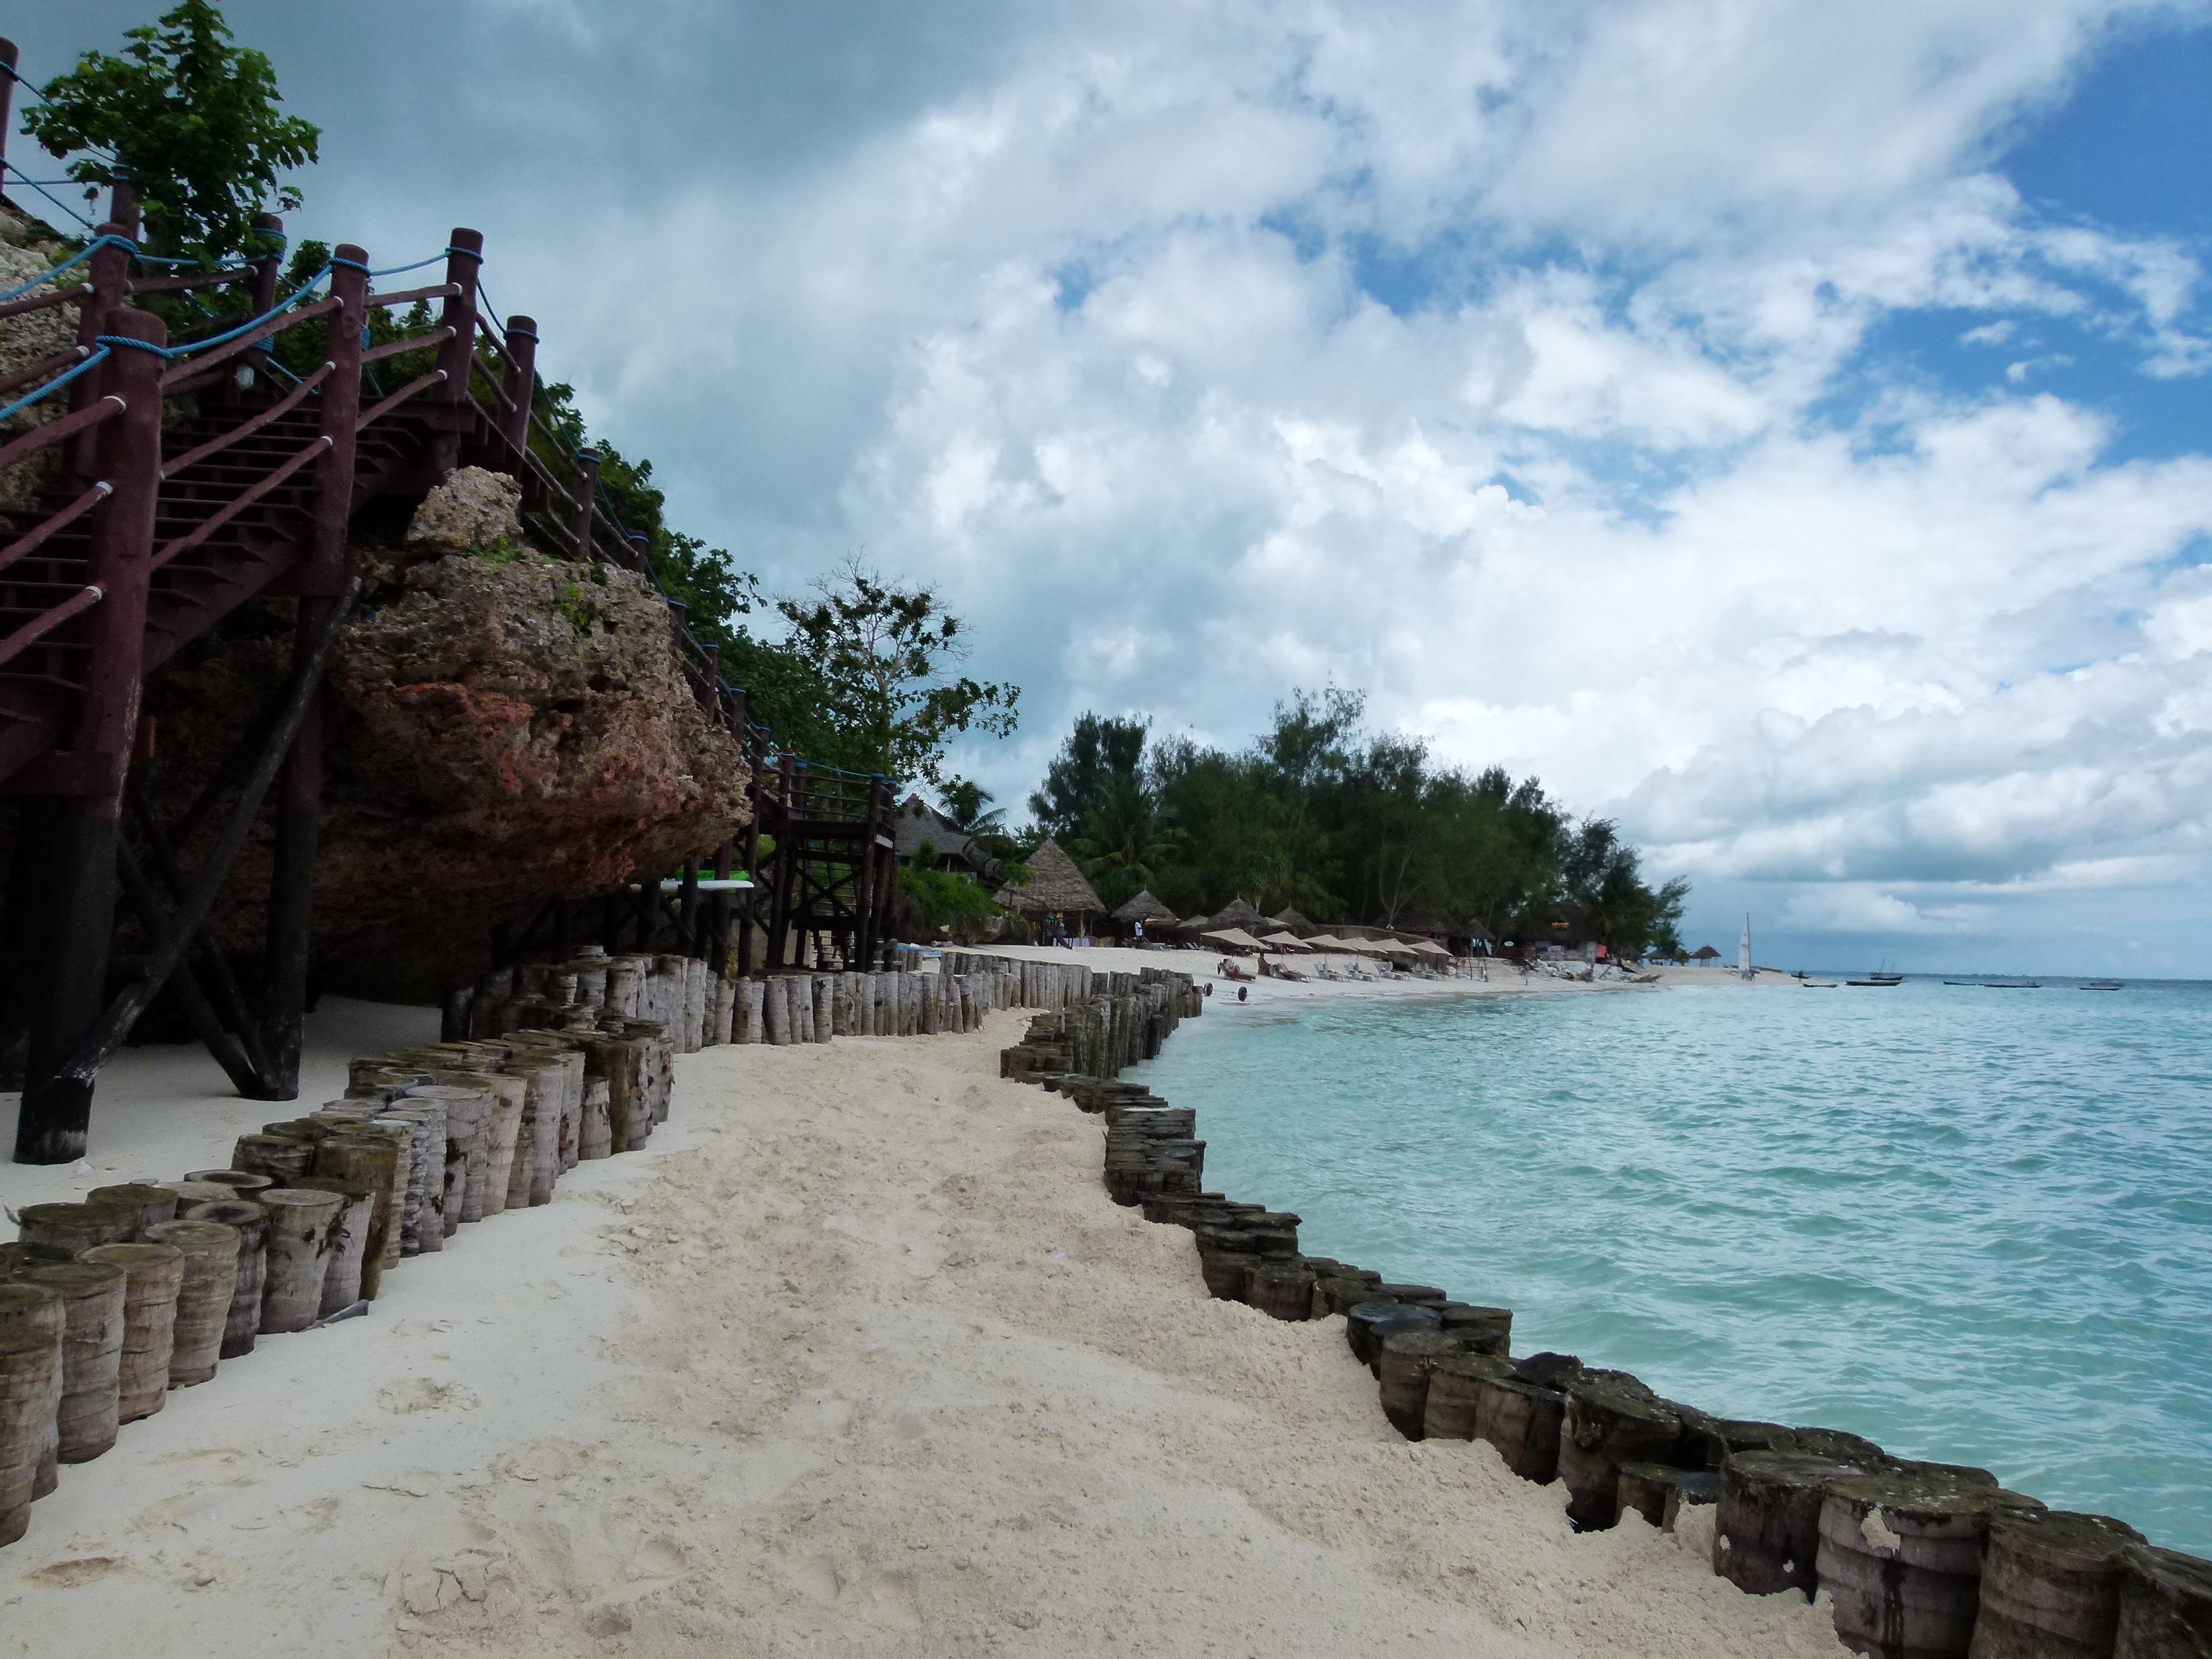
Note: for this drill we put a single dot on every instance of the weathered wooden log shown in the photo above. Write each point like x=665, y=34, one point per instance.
x=1901, y=1556
x=1767, y=1530
x=92, y=1301
x=1856, y=1450
x=146, y=1204
x=243, y=1183
x=1610, y=1419
x=1281, y=1289
x=300, y=1238
x=1403, y=1362
x=598, y=1134
x=62, y=1232
x=775, y=994
x=1341, y=1295
x=423, y=1225
x=1657, y=1491
x=153, y=1274
x=2165, y=1605
x=1368, y=1323
x=825, y=1006
x=502, y=1134
x=205, y=1289
x=2051, y=1585
x=36, y=1312
x=281, y=1157
x=1227, y=1273
x=1418, y=1295
x=1485, y=1330
x=349, y=1239
x=1522, y=1420
x=366, y=1162
x=189, y=1193
x=1448, y=1409
x=467, y=1156
x=722, y=1018
x=251, y=1222
x=28, y=1361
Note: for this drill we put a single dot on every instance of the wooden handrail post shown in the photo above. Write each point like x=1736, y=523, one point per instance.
x=108, y=274
x=67, y=865
x=587, y=491
x=123, y=546
x=326, y=567
x=520, y=386
x=9, y=59
x=122, y=205
x=464, y=255
x=265, y=271
x=323, y=575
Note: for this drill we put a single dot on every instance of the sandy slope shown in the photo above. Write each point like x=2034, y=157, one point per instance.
x=856, y=1359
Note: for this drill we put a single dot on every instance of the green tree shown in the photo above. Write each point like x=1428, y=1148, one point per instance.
x=190, y=121
x=879, y=657
x=1099, y=747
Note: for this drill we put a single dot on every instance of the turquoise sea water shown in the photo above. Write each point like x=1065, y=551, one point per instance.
x=1974, y=1225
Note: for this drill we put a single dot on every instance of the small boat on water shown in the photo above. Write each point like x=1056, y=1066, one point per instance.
x=1880, y=976
x=2104, y=985
x=1816, y=984
x=1999, y=984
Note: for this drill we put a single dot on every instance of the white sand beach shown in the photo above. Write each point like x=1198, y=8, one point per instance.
x=855, y=1357
x=1498, y=978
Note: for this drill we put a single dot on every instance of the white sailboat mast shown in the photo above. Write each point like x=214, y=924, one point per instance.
x=1743, y=950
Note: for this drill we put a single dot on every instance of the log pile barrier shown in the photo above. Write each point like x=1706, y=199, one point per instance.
x=107, y=1304
x=1921, y=1560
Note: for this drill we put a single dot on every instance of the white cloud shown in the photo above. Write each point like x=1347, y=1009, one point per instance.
x=1519, y=363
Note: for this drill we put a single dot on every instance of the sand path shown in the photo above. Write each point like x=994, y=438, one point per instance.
x=856, y=1357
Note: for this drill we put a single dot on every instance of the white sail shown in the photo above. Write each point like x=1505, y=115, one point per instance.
x=1743, y=950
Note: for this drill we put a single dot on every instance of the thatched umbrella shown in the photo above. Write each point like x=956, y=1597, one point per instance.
x=1145, y=909
x=1055, y=885
x=1291, y=922
x=1235, y=938
x=1238, y=914
x=1283, y=941
x=1704, y=953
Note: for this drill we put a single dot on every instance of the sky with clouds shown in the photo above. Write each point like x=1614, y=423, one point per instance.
x=1782, y=427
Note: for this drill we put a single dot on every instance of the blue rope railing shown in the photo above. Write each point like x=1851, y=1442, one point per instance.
x=61, y=381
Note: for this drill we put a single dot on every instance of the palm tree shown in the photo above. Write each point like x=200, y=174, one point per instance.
x=963, y=804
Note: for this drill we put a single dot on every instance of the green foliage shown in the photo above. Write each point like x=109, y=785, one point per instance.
x=863, y=677
x=1319, y=816
x=1098, y=748
x=944, y=896
x=193, y=125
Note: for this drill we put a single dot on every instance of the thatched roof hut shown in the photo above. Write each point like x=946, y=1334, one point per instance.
x=1239, y=914
x=1704, y=953
x=1054, y=884
x=1145, y=909
x=1291, y=922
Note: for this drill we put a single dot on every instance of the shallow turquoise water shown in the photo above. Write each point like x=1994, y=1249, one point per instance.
x=1976, y=1225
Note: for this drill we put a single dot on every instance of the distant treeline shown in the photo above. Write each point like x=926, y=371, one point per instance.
x=1320, y=816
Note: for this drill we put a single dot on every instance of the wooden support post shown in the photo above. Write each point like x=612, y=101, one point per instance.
x=323, y=573
x=787, y=837
x=8, y=61
x=123, y=204
x=587, y=492
x=687, y=911
x=718, y=940
x=107, y=274
x=463, y=257
x=520, y=383
x=70, y=841
x=265, y=270
x=864, y=874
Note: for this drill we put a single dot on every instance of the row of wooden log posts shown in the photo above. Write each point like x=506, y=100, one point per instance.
x=107, y=1304
x=1922, y=1561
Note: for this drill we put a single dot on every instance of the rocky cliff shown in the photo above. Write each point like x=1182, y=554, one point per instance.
x=502, y=727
